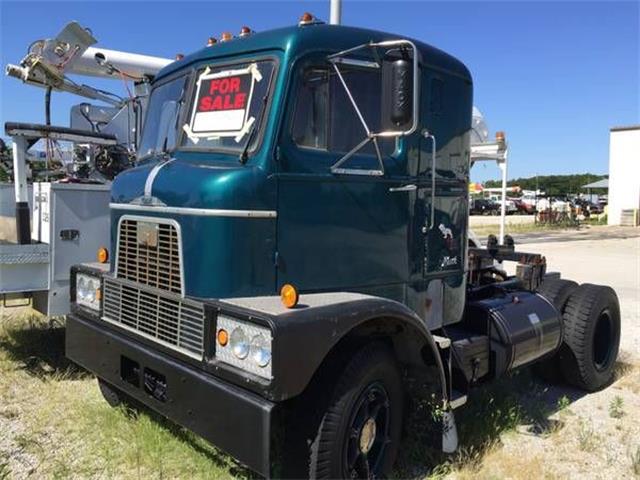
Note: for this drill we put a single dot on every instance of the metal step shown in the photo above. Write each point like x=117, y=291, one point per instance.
x=458, y=399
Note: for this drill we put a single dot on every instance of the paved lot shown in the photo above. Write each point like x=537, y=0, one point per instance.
x=602, y=255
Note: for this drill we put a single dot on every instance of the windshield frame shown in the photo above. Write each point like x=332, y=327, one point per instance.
x=190, y=100
x=187, y=74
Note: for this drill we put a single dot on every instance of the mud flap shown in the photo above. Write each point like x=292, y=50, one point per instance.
x=449, y=432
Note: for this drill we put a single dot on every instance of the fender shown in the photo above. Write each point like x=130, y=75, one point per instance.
x=305, y=335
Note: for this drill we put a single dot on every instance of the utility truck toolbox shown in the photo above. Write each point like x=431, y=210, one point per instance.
x=290, y=254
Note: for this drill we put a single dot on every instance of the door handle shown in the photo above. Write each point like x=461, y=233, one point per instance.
x=405, y=188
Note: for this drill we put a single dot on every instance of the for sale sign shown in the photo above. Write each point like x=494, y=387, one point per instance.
x=221, y=103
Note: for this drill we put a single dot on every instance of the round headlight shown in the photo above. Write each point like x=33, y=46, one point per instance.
x=81, y=288
x=239, y=343
x=260, y=350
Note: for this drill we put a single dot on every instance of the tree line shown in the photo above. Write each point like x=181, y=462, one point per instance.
x=551, y=184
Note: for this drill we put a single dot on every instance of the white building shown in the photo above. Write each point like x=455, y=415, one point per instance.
x=624, y=175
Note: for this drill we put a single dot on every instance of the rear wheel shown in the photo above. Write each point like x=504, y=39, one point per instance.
x=557, y=291
x=592, y=333
x=359, y=431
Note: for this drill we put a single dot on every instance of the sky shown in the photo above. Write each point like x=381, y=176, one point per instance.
x=555, y=76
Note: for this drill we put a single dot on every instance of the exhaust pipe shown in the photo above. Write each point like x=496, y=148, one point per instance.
x=336, y=12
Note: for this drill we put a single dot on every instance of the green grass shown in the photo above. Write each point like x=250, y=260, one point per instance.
x=68, y=430
x=616, y=407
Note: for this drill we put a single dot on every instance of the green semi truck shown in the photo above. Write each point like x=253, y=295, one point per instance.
x=290, y=253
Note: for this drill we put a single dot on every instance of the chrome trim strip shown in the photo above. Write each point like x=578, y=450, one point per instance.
x=168, y=221
x=203, y=212
x=148, y=184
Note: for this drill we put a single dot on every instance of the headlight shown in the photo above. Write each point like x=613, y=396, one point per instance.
x=239, y=343
x=248, y=348
x=88, y=291
x=260, y=350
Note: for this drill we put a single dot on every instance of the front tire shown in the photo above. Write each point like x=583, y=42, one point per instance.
x=117, y=398
x=359, y=431
x=592, y=333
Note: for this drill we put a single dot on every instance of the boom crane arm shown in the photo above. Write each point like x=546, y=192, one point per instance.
x=49, y=61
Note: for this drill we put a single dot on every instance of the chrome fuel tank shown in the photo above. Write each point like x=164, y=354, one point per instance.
x=522, y=327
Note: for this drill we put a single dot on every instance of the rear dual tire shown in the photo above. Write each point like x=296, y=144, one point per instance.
x=591, y=320
x=592, y=333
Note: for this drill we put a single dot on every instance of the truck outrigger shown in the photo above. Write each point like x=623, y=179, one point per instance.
x=282, y=264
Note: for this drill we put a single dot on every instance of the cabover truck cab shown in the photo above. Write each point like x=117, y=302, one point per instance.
x=290, y=253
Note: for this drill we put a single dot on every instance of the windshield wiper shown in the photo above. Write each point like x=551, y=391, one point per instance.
x=245, y=151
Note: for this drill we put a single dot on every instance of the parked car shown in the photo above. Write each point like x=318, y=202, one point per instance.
x=522, y=207
x=483, y=206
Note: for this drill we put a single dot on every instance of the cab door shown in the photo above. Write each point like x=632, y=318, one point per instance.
x=340, y=231
x=442, y=212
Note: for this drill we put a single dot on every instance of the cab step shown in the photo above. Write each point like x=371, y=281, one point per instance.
x=458, y=399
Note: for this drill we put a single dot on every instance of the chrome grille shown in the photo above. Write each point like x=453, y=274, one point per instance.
x=156, y=264
x=168, y=319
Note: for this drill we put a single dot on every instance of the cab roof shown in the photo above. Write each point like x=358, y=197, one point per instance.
x=298, y=40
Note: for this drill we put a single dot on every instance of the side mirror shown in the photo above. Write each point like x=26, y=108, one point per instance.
x=397, y=93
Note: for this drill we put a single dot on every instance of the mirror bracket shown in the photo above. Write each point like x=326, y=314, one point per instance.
x=339, y=58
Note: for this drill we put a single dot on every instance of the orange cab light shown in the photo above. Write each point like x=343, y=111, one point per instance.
x=289, y=295
x=245, y=31
x=103, y=255
x=306, y=18
x=223, y=337
x=211, y=41
x=226, y=36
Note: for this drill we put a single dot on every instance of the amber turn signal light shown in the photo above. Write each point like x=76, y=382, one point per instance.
x=289, y=295
x=103, y=255
x=223, y=337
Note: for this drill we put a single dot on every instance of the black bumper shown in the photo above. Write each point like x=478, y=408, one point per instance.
x=235, y=420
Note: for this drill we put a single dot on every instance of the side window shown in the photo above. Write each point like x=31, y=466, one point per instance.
x=324, y=116
x=310, y=118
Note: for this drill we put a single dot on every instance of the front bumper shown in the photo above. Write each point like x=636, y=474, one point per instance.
x=235, y=420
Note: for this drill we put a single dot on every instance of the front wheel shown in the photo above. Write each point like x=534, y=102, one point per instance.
x=359, y=431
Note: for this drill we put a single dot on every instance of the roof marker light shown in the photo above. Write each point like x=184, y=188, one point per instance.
x=245, y=31
x=179, y=56
x=226, y=36
x=211, y=41
x=307, y=19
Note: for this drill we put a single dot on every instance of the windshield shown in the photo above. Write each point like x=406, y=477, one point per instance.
x=227, y=109
x=228, y=106
x=161, y=123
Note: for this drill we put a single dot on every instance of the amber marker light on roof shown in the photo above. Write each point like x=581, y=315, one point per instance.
x=245, y=31
x=226, y=36
x=103, y=255
x=289, y=295
x=306, y=18
x=211, y=41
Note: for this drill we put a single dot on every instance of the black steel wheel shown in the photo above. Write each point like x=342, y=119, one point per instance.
x=592, y=333
x=359, y=432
